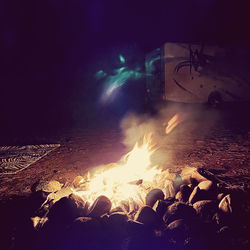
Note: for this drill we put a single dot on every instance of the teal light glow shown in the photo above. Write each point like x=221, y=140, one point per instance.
x=122, y=59
x=100, y=74
x=118, y=78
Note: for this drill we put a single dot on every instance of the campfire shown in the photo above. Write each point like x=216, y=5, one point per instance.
x=135, y=204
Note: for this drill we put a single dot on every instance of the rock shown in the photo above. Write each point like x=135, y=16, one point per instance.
x=154, y=195
x=193, y=183
x=170, y=191
x=84, y=232
x=48, y=186
x=117, y=210
x=101, y=206
x=220, y=196
x=221, y=219
x=161, y=207
x=77, y=181
x=198, y=195
x=86, y=223
x=184, y=193
x=178, y=231
x=177, y=182
x=205, y=209
x=207, y=185
x=118, y=220
x=117, y=224
x=67, y=209
x=196, y=175
x=225, y=236
x=148, y=217
x=134, y=227
x=226, y=204
x=178, y=210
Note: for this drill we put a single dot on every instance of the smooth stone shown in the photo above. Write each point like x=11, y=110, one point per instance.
x=198, y=195
x=184, y=193
x=225, y=204
x=207, y=185
x=134, y=227
x=154, y=195
x=49, y=186
x=77, y=181
x=205, y=209
x=198, y=177
x=178, y=231
x=161, y=207
x=148, y=217
x=220, y=196
x=118, y=220
x=67, y=209
x=179, y=210
x=101, y=206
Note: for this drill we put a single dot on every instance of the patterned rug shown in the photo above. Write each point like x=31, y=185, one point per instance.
x=16, y=158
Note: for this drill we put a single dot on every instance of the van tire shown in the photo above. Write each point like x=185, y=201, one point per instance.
x=215, y=99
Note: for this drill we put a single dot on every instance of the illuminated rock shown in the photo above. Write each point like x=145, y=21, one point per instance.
x=207, y=185
x=198, y=195
x=178, y=210
x=161, y=207
x=205, y=209
x=184, y=193
x=101, y=206
x=153, y=196
x=67, y=209
x=77, y=181
x=226, y=204
x=148, y=217
x=48, y=186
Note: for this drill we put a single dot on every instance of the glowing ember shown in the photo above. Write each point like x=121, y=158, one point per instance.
x=174, y=121
x=122, y=181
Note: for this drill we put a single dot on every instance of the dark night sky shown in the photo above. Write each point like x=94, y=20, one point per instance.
x=51, y=48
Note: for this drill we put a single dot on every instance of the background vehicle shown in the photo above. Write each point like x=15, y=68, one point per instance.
x=198, y=73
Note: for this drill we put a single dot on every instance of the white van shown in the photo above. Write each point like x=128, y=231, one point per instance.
x=198, y=73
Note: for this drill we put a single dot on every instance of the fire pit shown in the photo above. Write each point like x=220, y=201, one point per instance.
x=135, y=204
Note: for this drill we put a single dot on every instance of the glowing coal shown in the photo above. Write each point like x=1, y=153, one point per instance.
x=126, y=179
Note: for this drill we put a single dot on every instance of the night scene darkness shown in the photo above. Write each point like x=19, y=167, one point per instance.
x=51, y=50
x=126, y=122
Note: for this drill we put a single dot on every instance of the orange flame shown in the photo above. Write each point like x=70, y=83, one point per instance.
x=174, y=122
x=118, y=182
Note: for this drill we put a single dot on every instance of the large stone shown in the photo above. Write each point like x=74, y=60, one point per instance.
x=84, y=233
x=48, y=186
x=101, y=206
x=154, y=195
x=161, y=207
x=118, y=220
x=198, y=195
x=205, y=209
x=179, y=210
x=226, y=204
x=134, y=227
x=148, y=217
x=184, y=193
x=77, y=181
x=67, y=209
x=198, y=176
x=179, y=231
x=207, y=185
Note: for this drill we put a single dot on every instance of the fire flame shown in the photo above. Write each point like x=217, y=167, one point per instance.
x=122, y=181
x=129, y=179
x=174, y=122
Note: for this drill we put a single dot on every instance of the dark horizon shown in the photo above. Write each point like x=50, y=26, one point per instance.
x=51, y=49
